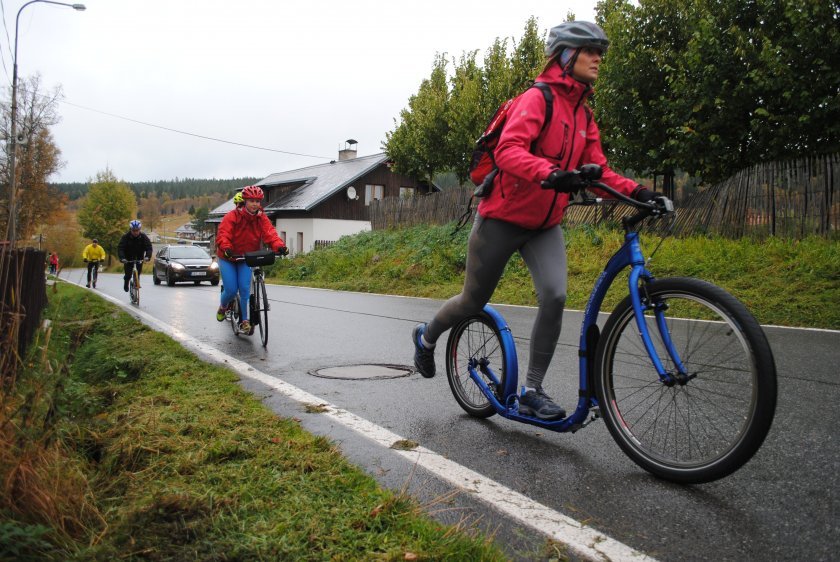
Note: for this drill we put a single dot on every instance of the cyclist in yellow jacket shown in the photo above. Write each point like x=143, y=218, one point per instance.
x=92, y=254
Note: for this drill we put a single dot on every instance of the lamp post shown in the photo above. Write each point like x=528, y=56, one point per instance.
x=13, y=140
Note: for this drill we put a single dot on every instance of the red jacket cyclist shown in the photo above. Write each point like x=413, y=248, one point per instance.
x=520, y=216
x=243, y=229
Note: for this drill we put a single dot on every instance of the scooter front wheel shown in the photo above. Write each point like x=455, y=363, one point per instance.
x=475, y=343
x=707, y=423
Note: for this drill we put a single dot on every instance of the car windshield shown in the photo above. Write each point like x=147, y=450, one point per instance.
x=193, y=252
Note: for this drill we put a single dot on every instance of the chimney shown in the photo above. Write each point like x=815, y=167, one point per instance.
x=349, y=150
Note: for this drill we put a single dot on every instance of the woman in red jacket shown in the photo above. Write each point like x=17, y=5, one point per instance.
x=519, y=215
x=243, y=229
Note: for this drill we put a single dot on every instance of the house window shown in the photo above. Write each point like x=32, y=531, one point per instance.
x=283, y=236
x=300, y=241
x=373, y=192
x=406, y=192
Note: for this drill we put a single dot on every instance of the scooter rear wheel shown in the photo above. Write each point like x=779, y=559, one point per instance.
x=475, y=343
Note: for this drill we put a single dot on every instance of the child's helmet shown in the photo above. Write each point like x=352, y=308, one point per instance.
x=252, y=192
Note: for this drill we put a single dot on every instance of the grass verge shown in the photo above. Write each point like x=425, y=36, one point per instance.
x=121, y=444
x=785, y=282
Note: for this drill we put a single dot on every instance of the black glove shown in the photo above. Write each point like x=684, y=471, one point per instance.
x=644, y=195
x=85, y=260
x=227, y=253
x=283, y=251
x=562, y=181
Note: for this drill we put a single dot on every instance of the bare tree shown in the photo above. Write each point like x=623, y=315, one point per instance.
x=38, y=157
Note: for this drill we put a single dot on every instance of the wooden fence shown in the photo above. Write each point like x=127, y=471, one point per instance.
x=318, y=244
x=792, y=199
x=437, y=208
x=24, y=296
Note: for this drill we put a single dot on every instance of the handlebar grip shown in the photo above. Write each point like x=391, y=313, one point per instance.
x=591, y=172
x=618, y=195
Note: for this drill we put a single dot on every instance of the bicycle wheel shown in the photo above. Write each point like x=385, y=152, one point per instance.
x=260, y=311
x=134, y=288
x=709, y=426
x=475, y=342
x=234, y=314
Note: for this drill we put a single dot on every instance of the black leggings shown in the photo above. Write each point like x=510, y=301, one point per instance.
x=91, y=265
x=491, y=244
x=127, y=267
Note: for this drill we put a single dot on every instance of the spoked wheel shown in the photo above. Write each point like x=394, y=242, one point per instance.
x=475, y=343
x=234, y=315
x=259, y=314
x=708, y=423
x=133, y=290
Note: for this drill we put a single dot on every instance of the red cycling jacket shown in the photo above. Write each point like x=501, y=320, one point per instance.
x=570, y=141
x=242, y=232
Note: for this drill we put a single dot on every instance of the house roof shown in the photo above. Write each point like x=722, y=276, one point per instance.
x=220, y=211
x=320, y=181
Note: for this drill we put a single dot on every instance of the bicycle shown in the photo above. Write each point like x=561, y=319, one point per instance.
x=258, y=306
x=681, y=373
x=134, y=282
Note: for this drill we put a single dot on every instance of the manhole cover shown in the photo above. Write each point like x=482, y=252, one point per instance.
x=363, y=372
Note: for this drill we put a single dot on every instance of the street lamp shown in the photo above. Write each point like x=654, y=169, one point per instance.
x=13, y=140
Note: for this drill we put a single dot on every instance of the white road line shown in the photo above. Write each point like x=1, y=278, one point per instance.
x=580, y=539
x=528, y=306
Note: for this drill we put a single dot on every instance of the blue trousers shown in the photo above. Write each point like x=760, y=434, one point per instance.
x=236, y=277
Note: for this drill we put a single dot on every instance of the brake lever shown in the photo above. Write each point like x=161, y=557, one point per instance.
x=584, y=198
x=667, y=205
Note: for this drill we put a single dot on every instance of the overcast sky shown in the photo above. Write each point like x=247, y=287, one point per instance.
x=290, y=76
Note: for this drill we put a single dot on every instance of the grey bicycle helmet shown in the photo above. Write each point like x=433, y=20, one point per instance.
x=575, y=34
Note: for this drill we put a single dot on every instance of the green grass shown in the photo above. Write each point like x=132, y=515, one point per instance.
x=785, y=282
x=170, y=459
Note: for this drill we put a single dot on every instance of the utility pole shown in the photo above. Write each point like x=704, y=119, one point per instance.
x=13, y=140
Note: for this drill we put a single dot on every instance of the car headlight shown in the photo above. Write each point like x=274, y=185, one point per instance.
x=214, y=265
x=176, y=266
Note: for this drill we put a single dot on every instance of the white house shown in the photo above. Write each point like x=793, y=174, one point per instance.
x=320, y=204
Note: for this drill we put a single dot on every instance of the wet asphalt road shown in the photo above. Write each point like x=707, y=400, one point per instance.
x=783, y=505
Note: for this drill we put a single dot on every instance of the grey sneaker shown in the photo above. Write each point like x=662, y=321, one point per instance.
x=538, y=404
x=424, y=358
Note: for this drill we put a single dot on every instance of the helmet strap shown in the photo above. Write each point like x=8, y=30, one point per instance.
x=569, y=66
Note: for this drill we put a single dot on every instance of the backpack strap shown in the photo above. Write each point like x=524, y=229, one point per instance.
x=588, y=111
x=549, y=110
x=464, y=218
